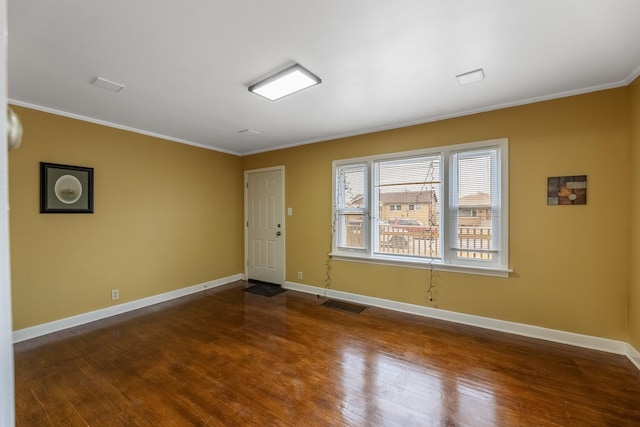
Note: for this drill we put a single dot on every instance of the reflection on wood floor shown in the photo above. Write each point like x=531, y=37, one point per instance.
x=225, y=357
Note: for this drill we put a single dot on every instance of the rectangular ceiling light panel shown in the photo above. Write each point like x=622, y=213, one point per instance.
x=288, y=81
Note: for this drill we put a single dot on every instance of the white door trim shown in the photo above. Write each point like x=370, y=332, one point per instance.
x=246, y=218
x=7, y=409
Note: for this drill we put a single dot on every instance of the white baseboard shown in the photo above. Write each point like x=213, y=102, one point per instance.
x=585, y=341
x=633, y=355
x=81, y=319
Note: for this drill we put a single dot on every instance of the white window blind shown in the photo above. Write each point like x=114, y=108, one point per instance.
x=475, y=207
x=407, y=182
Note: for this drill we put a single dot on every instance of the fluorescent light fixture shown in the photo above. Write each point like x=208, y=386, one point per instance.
x=106, y=84
x=288, y=81
x=248, y=132
x=470, y=77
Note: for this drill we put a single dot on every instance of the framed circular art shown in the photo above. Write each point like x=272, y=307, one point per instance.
x=65, y=188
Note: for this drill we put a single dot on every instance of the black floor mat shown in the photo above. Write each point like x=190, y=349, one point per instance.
x=265, y=289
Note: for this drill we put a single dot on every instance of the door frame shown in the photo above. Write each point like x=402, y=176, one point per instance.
x=246, y=219
x=7, y=398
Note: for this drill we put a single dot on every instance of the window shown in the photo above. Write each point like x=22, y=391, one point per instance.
x=351, y=207
x=456, y=208
x=468, y=212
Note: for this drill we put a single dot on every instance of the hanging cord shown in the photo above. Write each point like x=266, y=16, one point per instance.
x=428, y=189
x=328, y=278
x=431, y=288
x=344, y=192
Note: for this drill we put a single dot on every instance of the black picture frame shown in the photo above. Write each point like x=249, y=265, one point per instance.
x=65, y=188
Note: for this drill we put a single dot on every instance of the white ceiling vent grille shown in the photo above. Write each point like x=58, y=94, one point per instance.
x=470, y=77
x=107, y=84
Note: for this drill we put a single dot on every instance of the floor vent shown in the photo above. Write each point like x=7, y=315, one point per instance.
x=344, y=306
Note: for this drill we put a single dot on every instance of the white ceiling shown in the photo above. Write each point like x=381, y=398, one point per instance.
x=187, y=64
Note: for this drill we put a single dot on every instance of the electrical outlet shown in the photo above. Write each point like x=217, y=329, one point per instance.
x=115, y=294
x=300, y=275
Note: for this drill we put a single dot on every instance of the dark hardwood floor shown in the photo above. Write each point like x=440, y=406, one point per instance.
x=225, y=357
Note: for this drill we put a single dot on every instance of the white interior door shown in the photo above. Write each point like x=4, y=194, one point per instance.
x=6, y=342
x=265, y=225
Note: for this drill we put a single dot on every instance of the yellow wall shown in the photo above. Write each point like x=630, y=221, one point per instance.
x=167, y=216
x=634, y=294
x=571, y=265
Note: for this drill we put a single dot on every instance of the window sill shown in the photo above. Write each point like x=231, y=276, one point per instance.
x=404, y=262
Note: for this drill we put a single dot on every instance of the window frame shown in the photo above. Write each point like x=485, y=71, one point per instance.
x=448, y=262
x=340, y=211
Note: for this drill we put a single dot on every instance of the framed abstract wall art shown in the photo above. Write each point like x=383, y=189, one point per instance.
x=567, y=190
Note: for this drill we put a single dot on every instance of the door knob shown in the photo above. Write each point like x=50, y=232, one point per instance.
x=278, y=233
x=14, y=129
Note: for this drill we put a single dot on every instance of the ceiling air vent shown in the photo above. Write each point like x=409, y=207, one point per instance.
x=107, y=85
